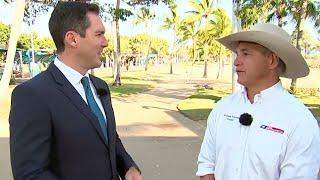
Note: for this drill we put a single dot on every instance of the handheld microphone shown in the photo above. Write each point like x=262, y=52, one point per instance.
x=245, y=119
x=102, y=91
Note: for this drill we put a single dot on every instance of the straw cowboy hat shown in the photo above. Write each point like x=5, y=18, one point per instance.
x=276, y=40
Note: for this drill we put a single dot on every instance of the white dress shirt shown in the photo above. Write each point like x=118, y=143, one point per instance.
x=74, y=77
x=283, y=141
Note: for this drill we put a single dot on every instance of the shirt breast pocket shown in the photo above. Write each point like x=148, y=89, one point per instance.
x=266, y=147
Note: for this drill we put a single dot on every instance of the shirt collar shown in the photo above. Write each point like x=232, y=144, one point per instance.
x=73, y=76
x=264, y=94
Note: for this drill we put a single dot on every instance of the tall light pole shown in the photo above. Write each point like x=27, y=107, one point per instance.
x=14, y=35
x=236, y=27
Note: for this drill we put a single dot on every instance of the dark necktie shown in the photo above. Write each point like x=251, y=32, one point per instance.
x=94, y=106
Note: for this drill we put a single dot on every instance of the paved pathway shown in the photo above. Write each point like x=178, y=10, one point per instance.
x=162, y=141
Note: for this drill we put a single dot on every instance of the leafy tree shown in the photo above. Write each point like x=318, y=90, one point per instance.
x=4, y=34
x=14, y=34
x=45, y=43
x=24, y=41
x=202, y=10
x=117, y=14
x=187, y=32
x=33, y=10
x=302, y=10
x=171, y=21
x=145, y=15
x=252, y=11
x=219, y=27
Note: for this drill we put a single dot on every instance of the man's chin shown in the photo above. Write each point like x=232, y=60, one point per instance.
x=96, y=65
x=241, y=82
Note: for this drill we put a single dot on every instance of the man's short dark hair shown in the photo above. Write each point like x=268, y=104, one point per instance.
x=68, y=16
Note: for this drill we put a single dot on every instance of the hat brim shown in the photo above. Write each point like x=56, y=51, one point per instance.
x=296, y=66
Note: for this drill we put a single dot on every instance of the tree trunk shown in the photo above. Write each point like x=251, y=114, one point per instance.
x=32, y=46
x=279, y=16
x=219, y=63
x=205, y=74
x=174, y=49
x=14, y=35
x=299, y=27
x=148, y=26
x=171, y=70
x=194, y=50
x=305, y=50
x=116, y=41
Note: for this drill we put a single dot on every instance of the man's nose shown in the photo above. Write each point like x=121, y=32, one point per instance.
x=105, y=42
x=236, y=61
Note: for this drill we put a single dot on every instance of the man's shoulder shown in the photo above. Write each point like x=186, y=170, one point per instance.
x=98, y=80
x=290, y=101
x=36, y=83
x=230, y=99
x=293, y=110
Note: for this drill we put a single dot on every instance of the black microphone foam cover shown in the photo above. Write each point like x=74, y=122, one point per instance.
x=245, y=119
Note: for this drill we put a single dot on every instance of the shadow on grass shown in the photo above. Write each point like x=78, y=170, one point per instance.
x=202, y=96
x=128, y=89
x=314, y=108
x=209, y=94
x=124, y=79
x=196, y=114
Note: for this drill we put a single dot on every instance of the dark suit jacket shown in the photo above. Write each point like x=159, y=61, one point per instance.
x=54, y=135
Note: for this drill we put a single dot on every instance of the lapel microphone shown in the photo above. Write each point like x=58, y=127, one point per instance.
x=245, y=119
x=102, y=91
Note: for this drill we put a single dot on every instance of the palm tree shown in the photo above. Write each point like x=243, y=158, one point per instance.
x=301, y=10
x=171, y=22
x=219, y=27
x=14, y=35
x=252, y=11
x=278, y=9
x=116, y=14
x=306, y=43
x=145, y=15
x=201, y=11
x=187, y=31
x=116, y=45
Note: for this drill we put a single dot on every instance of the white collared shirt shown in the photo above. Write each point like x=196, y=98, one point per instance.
x=74, y=77
x=283, y=141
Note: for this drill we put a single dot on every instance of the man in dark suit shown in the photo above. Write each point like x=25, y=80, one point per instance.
x=62, y=124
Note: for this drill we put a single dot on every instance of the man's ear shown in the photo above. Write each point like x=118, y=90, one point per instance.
x=71, y=39
x=274, y=61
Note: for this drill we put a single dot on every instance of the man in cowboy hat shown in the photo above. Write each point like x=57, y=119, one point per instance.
x=261, y=132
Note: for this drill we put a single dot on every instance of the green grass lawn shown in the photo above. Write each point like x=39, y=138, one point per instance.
x=198, y=106
x=132, y=83
x=312, y=102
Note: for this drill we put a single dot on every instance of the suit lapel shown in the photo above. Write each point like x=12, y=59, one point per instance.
x=69, y=91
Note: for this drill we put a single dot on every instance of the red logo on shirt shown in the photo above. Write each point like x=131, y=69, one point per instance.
x=270, y=128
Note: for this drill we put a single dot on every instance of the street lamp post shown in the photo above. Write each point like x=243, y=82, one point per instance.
x=236, y=27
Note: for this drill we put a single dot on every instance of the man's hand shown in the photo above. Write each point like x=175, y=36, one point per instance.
x=133, y=174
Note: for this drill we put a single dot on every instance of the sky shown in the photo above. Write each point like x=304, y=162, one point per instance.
x=127, y=28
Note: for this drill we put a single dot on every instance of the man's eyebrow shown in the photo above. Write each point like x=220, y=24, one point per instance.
x=100, y=32
x=244, y=49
